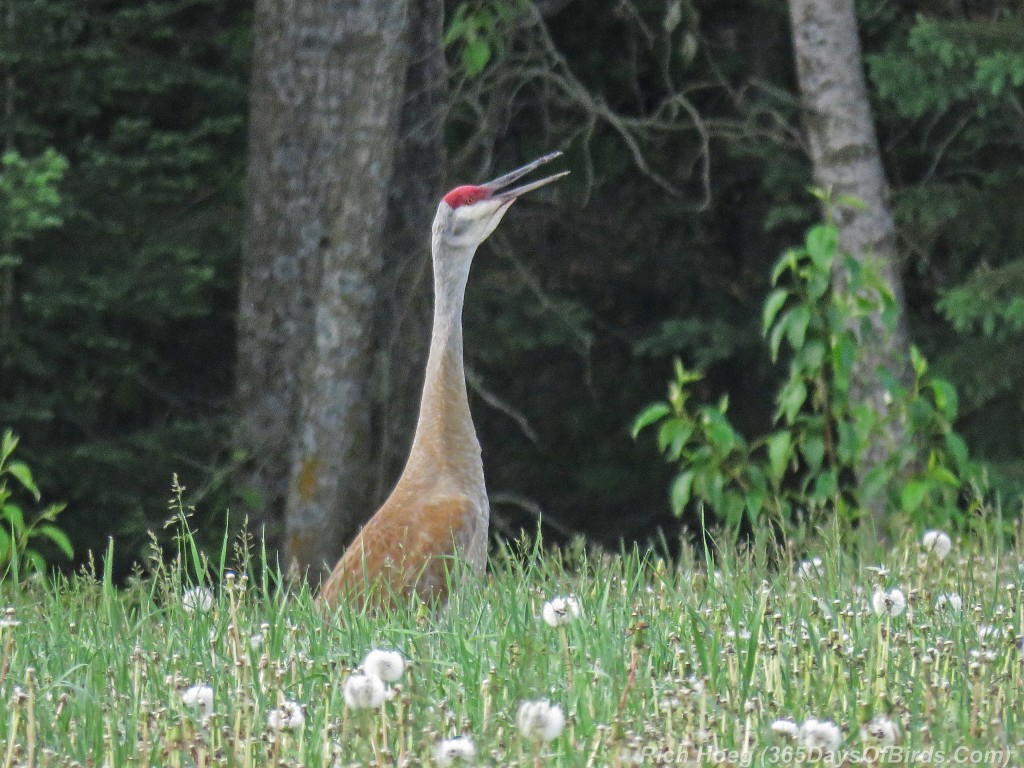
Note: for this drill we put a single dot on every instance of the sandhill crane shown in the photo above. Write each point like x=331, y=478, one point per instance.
x=439, y=505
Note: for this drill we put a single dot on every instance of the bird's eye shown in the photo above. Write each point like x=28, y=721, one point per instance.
x=470, y=200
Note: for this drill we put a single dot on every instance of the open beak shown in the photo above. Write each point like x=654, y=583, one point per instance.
x=496, y=185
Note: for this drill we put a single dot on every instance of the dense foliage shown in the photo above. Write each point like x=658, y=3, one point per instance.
x=949, y=89
x=116, y=358
x=811, y=468
x=680, y=122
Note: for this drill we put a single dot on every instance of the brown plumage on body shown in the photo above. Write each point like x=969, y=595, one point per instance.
x=438, y=509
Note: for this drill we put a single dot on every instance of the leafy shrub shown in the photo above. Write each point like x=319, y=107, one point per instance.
x=18, y=537
x=812, y=465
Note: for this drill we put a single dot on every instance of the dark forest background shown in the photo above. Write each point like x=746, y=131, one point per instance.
x=680, y=121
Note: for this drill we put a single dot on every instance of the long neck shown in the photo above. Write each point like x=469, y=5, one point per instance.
x=445, y=442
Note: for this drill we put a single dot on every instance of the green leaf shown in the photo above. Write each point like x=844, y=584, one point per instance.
x=813, y=449
x=649, y=415
x=775, y=337
x=680, y=492
x=822, y=242
x=946, y=400
x=825, y=485
x=475, y=56
x=812, y=355
x=58, y=537
x=957, y=449
x=772, y=305
x=20, y=471
x=850, y=202
x=792, y=399
x=35, y=561
x=6, y=548
x=817, y=284
x=719, y=431
x=788, y=261
x=874, y=482
x=14, y=519
x=50, y=513
x=913, y=495
x=796, y=328
x=672, y=437
x=778, y=453
x=457, y=28
x=846, y=445
x=944, y=476
x=7, y=446
x=918, y=361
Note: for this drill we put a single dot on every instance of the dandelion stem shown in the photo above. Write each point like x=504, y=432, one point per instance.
x=30, y=725
x=566, y=656
x=634, y=661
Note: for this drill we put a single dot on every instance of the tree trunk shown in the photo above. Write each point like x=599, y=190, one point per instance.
x=327, y=91
x=405, y=306
x=844, y=152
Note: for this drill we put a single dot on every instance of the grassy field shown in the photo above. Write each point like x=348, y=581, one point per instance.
x=757, y=660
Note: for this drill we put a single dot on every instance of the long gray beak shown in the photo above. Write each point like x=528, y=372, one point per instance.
x=496, y=185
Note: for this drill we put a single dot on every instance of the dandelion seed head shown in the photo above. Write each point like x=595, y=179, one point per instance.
x=363, y=691
x=820, y=734
x=448, y=751
x=881, y=730
x=812, y=568
x=540, y=720
x=561, y=610
x=786, y=728
x=949, y=600
x=387, y=665
x=989, y=632
x=287, y=717
x=199, y=697
x=937, y=543
x=891, y=603
x=197, y=600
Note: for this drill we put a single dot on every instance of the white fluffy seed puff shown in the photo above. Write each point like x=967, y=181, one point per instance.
x=822, y=735
x=287, y=717
x=812, y=568
x=197, y=600
x=363, y=691
x=937, y=543
x=540, y=720
x=881, y=730
x=387, y=665
x=450, y=751
x=891, y=603
x=199, y=697
x=561, y=610
x=785, y=728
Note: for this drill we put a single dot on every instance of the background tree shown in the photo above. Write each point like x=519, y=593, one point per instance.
x=115, y=368
x=948, y=82
x=681, y=121
x=405, y=303
x=333, y=297
x=846, y=159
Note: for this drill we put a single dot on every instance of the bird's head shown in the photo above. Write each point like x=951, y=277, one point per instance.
x=468, y=214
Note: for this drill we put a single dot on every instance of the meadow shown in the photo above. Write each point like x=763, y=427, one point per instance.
x=841, y=656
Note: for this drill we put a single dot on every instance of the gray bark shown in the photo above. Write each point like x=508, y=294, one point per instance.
x=846, y=159
x=405, y=305
x=329, y=82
